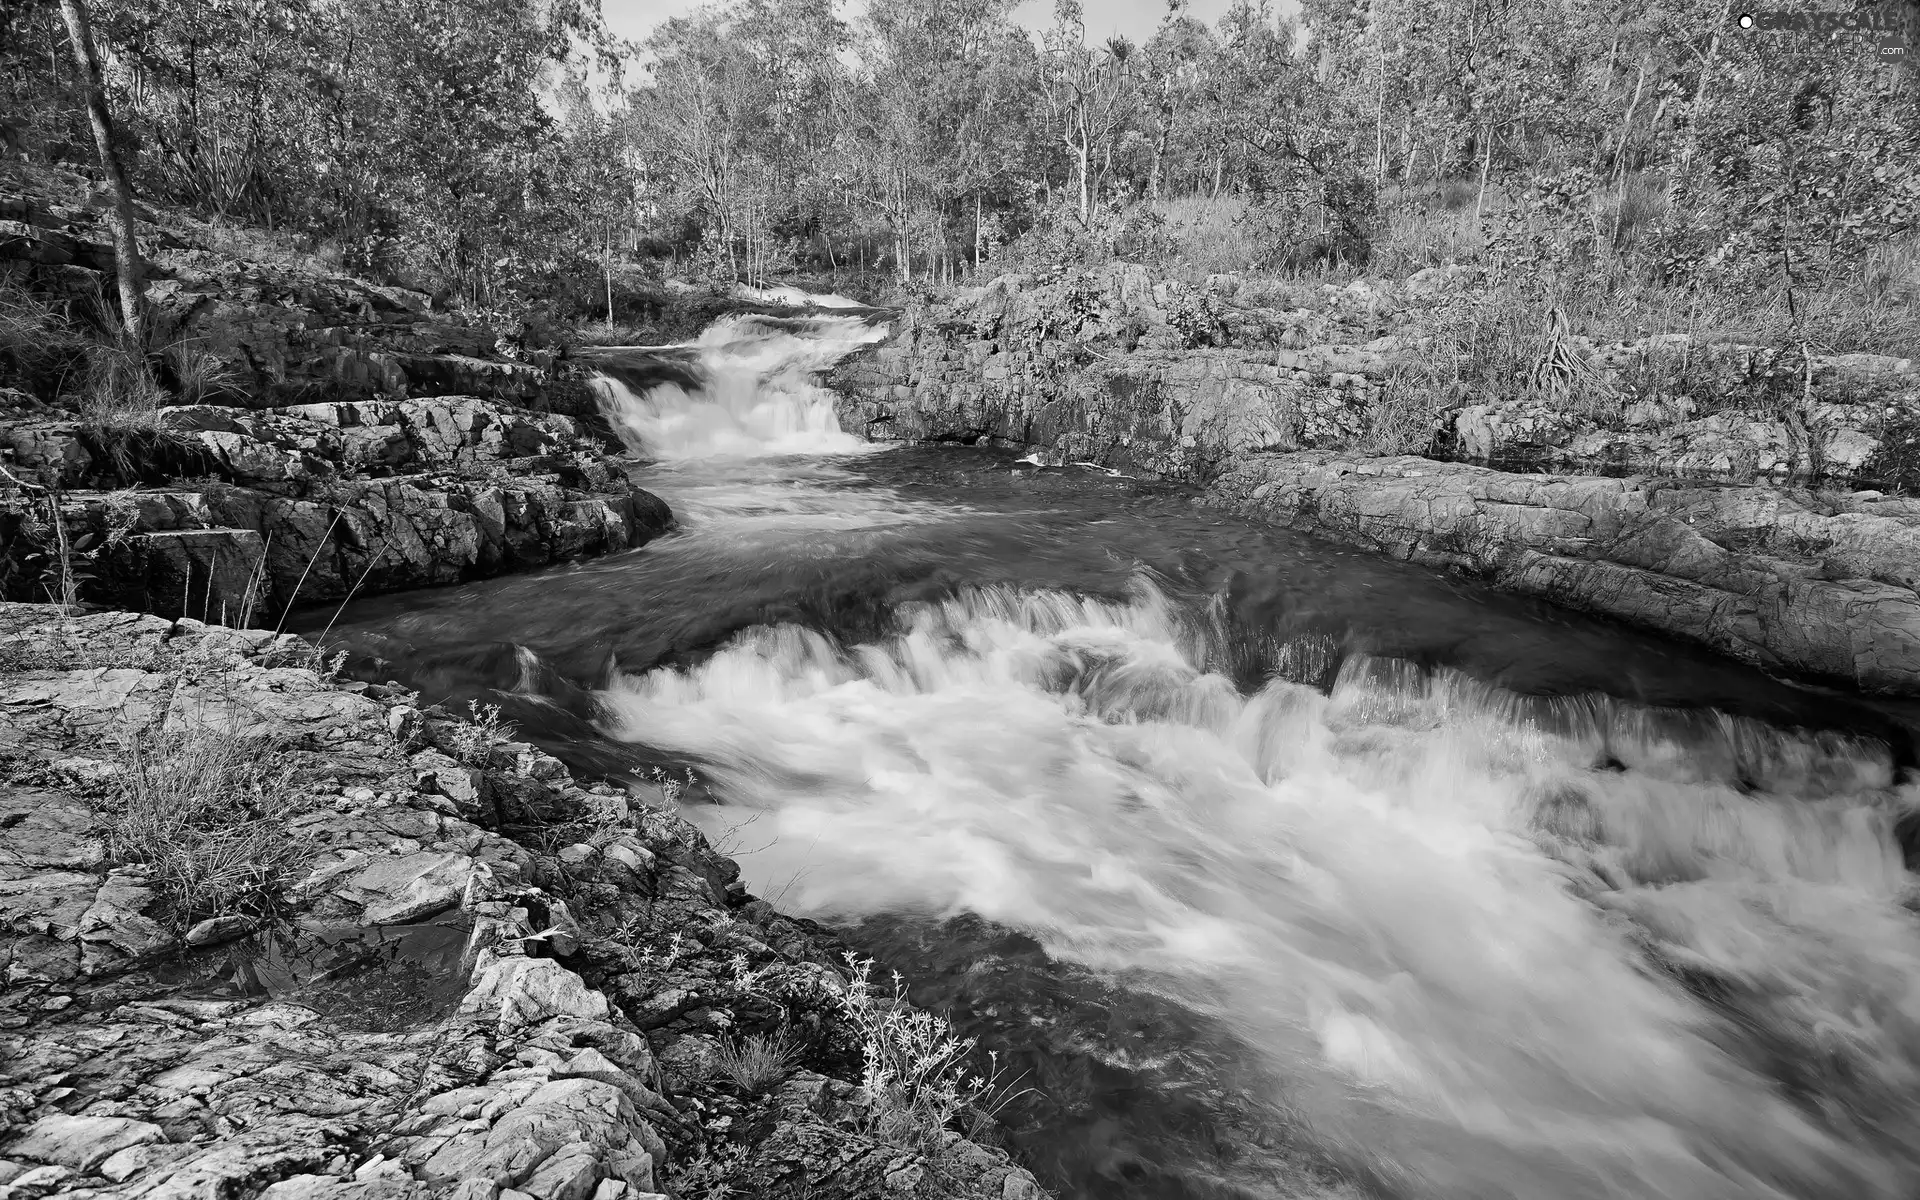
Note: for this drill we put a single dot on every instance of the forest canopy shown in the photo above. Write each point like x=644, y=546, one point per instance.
x=490, y=148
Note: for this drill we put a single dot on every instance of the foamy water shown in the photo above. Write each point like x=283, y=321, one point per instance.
x=756, y=397
x=1420, y=900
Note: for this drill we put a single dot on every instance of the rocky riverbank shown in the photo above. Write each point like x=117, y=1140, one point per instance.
x=444, y=968
x=1302, y=414
x=305, y=435
x=1820, y=586
x=1116, y=367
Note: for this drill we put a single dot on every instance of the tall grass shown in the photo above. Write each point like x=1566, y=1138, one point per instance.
x=1210, y=235
x=1420, y=237
x=1891, y=275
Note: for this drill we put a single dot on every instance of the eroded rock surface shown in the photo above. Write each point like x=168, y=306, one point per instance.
x=1118, y=368
x=321, y=500
x=1812, y=584
x=486, y=980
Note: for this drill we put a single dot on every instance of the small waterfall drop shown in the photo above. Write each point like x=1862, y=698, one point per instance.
x=743, y=389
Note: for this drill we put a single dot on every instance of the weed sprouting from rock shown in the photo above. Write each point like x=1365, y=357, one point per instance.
x=756, y=1062
x=913, y=1063
x=472, y=742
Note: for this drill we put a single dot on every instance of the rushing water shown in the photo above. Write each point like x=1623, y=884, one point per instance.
x=1274, y=868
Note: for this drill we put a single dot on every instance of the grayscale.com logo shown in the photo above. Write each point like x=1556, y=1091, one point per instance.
x=1891, y=26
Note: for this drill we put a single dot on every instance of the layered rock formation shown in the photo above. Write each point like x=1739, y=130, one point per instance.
x=481, y=980
x=1294, y=414
x=318, y=501
x=347, y=437
x=1791, y=581
x=1117, y=368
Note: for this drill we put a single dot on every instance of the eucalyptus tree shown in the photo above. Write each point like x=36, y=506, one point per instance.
x=128, y=269
x=1089, y=93
x=937, y=117
x=1173, y=66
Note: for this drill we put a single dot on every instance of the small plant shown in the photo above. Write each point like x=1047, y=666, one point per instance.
x=676, y=946
x=61, y=559
x=205, y=808
x=913, y=1063
x=1196, y=317
x=756, y=1062
x=199, y=377
x=708, y=1174
x=670, y=787
x=473, y=742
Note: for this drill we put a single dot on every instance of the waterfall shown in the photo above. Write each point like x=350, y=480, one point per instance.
x=743, y=389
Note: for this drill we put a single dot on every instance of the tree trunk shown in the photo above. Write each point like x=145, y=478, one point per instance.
x=126, y=251
x=1380, y=126
x=976, y=231
x=1086, y=206
x=1693, y=109
x=1486, y=163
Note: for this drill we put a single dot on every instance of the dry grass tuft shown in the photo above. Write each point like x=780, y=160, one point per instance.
x=205, y=808
x=199, y=377
x=757, y=1062
x=1406, y=417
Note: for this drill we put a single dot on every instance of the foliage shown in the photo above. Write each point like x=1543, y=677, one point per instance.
x=467, y=146
x=412, y=138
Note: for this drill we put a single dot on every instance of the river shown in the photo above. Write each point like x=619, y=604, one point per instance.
x=1272, y=868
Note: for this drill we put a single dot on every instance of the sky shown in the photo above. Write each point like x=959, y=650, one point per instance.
x=1135, y=19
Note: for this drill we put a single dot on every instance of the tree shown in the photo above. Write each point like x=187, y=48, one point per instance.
x=126, y=250
x=1087, y=92
x=1173, y=66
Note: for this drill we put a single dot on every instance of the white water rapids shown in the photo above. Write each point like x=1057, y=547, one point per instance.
x=757, y=396
x=1451, y=924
